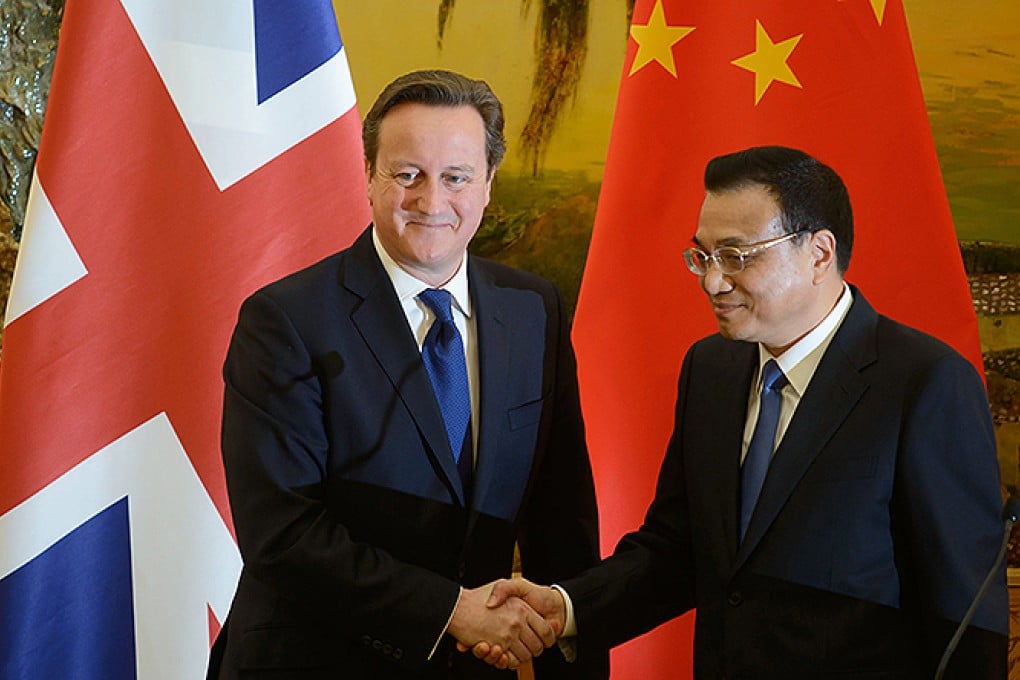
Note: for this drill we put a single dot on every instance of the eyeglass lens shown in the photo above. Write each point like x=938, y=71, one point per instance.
x=698, y=261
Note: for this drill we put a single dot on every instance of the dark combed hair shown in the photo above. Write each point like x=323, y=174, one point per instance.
x=811, y=196
x=438, y=88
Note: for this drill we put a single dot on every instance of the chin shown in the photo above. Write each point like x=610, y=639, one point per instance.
x=731, y=333
x=726, y=329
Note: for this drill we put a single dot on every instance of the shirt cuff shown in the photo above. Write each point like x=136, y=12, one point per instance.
x=569, y=626
x=566, y=641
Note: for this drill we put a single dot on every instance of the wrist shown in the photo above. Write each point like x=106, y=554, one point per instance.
x=566, y=612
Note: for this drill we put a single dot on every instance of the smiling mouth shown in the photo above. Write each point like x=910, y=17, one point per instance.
x=429, y=225
x=724, y=309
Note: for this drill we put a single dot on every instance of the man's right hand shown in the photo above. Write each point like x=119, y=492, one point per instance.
x=511, y=632
x=546, y=601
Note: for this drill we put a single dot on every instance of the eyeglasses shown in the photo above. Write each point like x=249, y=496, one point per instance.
x=731, y=259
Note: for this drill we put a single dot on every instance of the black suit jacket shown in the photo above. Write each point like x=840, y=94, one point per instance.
x=347, y=503
x=878, y=520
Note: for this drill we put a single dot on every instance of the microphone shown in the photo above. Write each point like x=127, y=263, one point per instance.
x=1010, y=514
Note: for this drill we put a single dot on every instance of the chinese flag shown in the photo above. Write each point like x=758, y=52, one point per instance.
x=193, y=150
x=835, y=78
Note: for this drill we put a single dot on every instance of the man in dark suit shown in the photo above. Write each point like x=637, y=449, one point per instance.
x=371, y=508
x=848, y=537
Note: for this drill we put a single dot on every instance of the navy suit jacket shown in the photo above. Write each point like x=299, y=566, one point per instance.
x=348, y=507
x=879, y=518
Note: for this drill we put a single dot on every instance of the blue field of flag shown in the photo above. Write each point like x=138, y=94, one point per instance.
x=292, y=39
x=68, y=613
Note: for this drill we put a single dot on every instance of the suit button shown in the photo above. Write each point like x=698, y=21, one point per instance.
x=366, y=640
x=377, y=645
x=461, y=570
x=398, y=653
x=735, y=598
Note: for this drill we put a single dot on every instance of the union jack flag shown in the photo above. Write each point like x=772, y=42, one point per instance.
x=193, y=150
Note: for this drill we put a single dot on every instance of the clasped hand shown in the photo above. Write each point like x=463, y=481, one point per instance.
x=508, y=622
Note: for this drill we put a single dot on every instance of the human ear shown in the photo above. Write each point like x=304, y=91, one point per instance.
x=368, y=180
x=823, y=254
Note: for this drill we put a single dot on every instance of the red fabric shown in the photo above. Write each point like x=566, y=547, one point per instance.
x=859, y=108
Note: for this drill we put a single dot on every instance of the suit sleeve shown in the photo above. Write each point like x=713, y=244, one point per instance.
x=649, y=578
x=559, y=534
x=275, y=450
x=948, y=508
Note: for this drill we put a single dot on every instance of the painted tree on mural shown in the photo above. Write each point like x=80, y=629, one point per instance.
x=561, y=46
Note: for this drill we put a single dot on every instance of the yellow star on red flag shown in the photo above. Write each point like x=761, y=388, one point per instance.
x=768, y=61
x=878, y=6
x=655, y=41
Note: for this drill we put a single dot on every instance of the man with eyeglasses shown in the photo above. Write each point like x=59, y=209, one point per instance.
x=829, y=501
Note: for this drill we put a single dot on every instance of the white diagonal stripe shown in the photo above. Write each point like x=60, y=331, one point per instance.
x=47, y=261
x=208, y=66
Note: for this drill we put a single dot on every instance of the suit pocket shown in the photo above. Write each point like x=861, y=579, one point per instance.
x=526, y=414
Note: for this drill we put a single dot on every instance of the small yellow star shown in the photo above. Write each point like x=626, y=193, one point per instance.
x=768, y=62
x=655, y=41
x=879, y=8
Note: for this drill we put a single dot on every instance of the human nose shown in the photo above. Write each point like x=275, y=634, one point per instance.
x=714, y=281
x=428, y=197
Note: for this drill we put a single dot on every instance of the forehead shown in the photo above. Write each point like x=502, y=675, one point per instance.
x=742, y=215
x=414, y=129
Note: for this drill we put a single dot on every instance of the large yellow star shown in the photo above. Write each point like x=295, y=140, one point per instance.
x=768, y=62
x=655, y=41
x=878, y=6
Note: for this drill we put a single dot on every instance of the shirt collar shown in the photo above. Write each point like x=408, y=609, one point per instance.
x=802, y=358
x=408, y=287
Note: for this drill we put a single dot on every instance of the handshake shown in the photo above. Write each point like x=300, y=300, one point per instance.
x=508, y=622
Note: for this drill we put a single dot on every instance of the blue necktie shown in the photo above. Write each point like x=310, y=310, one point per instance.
x=759, y=451
x=443, y=354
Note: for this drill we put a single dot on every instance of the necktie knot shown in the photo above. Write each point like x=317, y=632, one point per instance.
x=440, y=302
x=772, y=377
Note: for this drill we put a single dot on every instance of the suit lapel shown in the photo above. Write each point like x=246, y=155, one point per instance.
x=835, y=388
x=723, y=441
x=383, y=326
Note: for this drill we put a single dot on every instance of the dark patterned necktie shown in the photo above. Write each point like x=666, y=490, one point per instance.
x=443, y=354
x=759, y=451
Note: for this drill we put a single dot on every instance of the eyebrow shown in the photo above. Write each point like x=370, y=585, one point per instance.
x=401, y=163
x=730, y=241
x=733, y=241
x=467, y=167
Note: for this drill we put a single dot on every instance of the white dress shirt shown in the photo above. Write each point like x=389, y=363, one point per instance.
x=798, y=364
x=420, y=317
